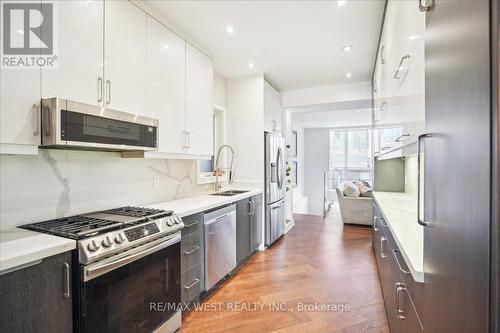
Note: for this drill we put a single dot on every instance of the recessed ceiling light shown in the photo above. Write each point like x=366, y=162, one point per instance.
x=346, y=48
x=348, y=75
x=20, y=31
x=165, y=46
x=230, y=29
x=251, y=65
x=414, y=37
x=341, y=3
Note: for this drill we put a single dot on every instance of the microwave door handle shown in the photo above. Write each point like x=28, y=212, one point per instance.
x=95, y=271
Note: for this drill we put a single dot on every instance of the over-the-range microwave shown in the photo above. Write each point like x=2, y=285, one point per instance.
x=72, y=125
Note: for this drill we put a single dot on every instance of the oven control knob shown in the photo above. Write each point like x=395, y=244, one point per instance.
x=93, y=246
x=119, y=239
x=107, y=242
x=170, y=222
x=177, y=220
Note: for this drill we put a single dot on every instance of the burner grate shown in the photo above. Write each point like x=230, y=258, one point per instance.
x=75, y=227
x=136, y=211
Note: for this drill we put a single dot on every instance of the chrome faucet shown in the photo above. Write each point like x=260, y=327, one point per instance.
x=217, y=168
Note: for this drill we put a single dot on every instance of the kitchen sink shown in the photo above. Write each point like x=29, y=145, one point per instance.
x=229, y=193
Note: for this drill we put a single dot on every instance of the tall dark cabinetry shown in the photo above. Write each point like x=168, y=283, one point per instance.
x=457, y=166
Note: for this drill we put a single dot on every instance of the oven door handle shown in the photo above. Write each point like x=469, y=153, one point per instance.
x=93, y=271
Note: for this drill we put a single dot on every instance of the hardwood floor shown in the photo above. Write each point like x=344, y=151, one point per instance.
x=319, y=260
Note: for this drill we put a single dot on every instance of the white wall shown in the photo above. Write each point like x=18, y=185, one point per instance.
x=327, y=94
x=59, y=183
x=300, y=200
x=316, y=157
x=220, y=90
x=245, y=102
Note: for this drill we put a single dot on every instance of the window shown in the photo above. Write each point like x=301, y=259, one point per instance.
x=350, y=149
x=350, y=156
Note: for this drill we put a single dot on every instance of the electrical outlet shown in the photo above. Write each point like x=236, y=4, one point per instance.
x=156, y=181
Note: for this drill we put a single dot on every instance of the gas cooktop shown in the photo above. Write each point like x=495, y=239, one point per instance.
x=88, y=225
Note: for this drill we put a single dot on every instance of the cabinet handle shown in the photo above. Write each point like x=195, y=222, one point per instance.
x=399, y=288
x=251, y=207
x=67, y=290
x=419, y=143
x=192, y=284
x=383, y=241
x=184, y=139
x=382, y=54
x=194, y=249
x=36, y=118
x=375, y=227
x=395, y=252
x=191, y=224
x=400, y=138
x=188, y=134
x=423, y=8
x=382, y=106
x=108, y=92
x=396, y=75
x=99, y=89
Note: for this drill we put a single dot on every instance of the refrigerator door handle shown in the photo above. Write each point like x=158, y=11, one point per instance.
x=279, y=166
x=420, y=221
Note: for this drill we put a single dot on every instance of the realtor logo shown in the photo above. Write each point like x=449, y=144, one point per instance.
x=28, y=34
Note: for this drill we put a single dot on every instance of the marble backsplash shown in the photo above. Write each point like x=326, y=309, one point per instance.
x=58, y=183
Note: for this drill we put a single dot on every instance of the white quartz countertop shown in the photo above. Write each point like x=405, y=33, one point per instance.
x=19, y=247
x=200, y=203
x=400, y=212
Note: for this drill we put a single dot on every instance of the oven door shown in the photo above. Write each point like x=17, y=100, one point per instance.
x=135, y=293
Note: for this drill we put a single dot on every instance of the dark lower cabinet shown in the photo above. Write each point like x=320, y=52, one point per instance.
x=402, y=295
x=256, y=223
x=38, y=298
x=192, y=258
x=248, y=226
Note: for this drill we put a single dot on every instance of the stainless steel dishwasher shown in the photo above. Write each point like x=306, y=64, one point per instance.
x=220, y=244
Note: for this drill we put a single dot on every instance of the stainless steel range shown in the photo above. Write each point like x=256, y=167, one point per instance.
x=128, y=264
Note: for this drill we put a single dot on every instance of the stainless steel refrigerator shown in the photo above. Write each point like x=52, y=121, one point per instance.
x=275, y=187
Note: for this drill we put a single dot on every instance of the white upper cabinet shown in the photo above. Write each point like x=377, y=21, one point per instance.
x=399, y=78
x=125, y=57
x=19, y=114
x=79, y=72
x=199, y=102
x=272, y=109
x=166, y=81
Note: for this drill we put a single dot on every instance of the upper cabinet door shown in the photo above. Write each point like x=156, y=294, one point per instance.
x=79, y=72
x=166, y=85
x=19, y=99
x=125, y=57
x=199, y=102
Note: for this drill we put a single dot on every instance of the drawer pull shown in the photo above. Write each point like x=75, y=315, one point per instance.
x=404, y=271
x=191, y=224
x=400, y=287
x=383, y=241
x=196, y=281
x=375, y=227
x=194, y=249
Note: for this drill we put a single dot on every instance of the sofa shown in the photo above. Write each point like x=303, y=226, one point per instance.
x=358, y=210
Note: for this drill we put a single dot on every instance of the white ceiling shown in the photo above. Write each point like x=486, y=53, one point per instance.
x=295, y=43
